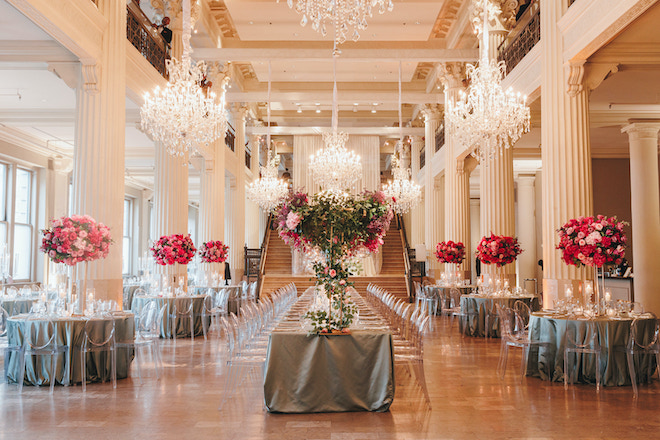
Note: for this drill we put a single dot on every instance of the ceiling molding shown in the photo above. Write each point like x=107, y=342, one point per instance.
x=380, y=131
x=345, y=98
x=34, y=51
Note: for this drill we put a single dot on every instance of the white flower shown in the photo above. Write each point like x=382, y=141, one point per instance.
x=593, y=238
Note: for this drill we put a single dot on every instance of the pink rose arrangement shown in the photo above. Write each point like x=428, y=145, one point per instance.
x=75, y=239
x=450, y=252
x=213, y=252
x=592, y=241
x=175, y=248
x=498, y=249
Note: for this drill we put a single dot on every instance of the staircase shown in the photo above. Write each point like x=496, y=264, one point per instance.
x=277, y=268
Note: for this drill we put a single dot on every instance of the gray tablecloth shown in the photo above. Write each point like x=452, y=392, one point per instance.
x=442, y=294
x=16, y=306
x=181, y=324
x=129, y=291
x=547, y=362
x=70, y=332
x=234, y=301
x=476, y=308
x=307, y=374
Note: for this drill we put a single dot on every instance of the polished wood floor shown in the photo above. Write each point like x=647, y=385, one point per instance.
x=468, y=400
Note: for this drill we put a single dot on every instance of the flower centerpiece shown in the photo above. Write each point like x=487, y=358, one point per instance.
x=592, y=241
x=175, y=248
x=450, y=252
x=76, y=239
x=73, y=240
x=498, y=249
x=337, y=226
x=213, y=252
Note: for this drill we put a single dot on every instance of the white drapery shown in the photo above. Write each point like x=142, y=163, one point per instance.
x=367, y=147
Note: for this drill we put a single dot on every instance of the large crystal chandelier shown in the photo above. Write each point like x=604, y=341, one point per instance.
x=183, y=115
x=268, y=191
x=347, y=16
x=487, y=118
x=403, y=191
x=335, y=168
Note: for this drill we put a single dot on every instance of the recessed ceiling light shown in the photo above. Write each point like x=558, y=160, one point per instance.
x=250, y=22
x=195, y=31
x=318, y=110
x=418, y=22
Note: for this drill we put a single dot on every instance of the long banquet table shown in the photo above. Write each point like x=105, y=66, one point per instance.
x=328, y=373
x=476, y=308
x=70, y=332
x=547, y=362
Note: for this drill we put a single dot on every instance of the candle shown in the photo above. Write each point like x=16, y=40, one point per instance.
x=608, y=295
x=569, y=292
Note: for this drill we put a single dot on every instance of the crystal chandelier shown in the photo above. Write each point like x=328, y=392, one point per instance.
x=183, y=116
x=345, y=15
x=405, y=193
x=487, y=118
x=335, y=168
x=268, y=191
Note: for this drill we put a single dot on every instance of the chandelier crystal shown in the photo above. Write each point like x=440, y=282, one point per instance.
x=487, y=118
x=268, y=191
x=348, y=17
x=333, y=167
x=403, y=191
x=183, y=115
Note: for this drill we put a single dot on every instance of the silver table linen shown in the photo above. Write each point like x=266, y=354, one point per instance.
x=70, y=332
x=547, y=362
x=475, y=308
x=307, y=374
x=181, y=326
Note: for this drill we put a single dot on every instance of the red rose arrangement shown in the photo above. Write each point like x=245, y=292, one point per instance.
x=498, y=249
x=175, y=248
x=592, y=241
x=75, y=239
x=213, y=252
x=450, y=252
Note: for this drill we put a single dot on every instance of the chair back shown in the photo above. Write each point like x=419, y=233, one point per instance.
x=3, y=322
x=506, y=316
x=36, y=340
x=522, y=311
x=101, y=338
x=588, y=342
x=640, y=341
x=148, y=319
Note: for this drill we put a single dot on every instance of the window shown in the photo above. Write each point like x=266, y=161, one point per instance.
x=17, y=219
x=127, y=244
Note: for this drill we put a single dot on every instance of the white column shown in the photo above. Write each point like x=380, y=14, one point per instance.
x=253, y=213
x=645, y=205
x=432, y=223
x=212, y=201
x=565, y=152
x=526, y=227
x=98, y=168
x=238, y=113
x=475, y=235
x=416, y=226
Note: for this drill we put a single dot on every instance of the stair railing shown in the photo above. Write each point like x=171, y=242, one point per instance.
x=406, y=257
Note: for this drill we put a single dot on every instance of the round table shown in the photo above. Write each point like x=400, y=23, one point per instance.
x=181, y=326
x=129, y=291
x=70, y=332
x=16, y=306
x=441, y=294
x=234, y=301
x=476, y=308
x=547, y=362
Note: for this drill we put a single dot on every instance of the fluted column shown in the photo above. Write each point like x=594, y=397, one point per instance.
x=526, y=227
x=237, y=263
x=432, y=233
x=645, y=205
x=253, y=212
x=98, y=160
x=565, y=151
x=416, y=226
x=212, y=201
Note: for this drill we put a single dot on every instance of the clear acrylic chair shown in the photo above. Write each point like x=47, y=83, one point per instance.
x=147, y=335
x=185, y=312
x=99, y=336
x=5, y=346
x=40, y=340
x=642, y=343
x=581, y=342
x=512, y=336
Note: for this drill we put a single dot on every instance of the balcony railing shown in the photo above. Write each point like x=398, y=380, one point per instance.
x=439, y=137
x=422, y=158
x=248, y=156
x=141, y=34
x=522, y=38
x=230, y=137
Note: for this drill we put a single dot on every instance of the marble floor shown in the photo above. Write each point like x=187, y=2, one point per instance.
x=468, y=400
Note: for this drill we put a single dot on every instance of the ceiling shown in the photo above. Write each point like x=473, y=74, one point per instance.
x=418, y=34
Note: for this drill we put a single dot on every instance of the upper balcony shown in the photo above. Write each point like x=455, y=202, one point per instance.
x=522, y=38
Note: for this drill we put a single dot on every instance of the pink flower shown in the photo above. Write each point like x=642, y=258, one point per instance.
x=292, y=220
x=332, y=273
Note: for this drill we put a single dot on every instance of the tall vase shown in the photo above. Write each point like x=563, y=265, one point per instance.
x=597, y=292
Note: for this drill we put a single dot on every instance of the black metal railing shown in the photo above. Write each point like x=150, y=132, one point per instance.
x=439, y=137
x=248, y=156
x=522, y=38
x=414, y=269
x=140, y=33
x=230, y=137
x=252, y=263
x=422, y=159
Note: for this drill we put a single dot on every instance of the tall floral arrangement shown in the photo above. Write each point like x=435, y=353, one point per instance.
x=175, y=248
x=450, y=252
x=498, y=249
x=213, y=252
x=337, y=226
x=75, y=239
x=592, y=241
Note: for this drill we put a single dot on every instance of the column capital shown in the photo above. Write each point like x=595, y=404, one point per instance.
x=238, y=110
x=90, y=78
x=526, y=179
x=431, y=112
x=419, y=139
x=642, y=128
x=575, y=77
x=452, y=75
